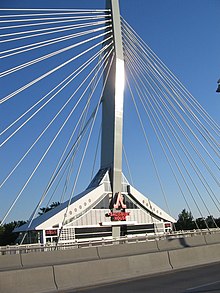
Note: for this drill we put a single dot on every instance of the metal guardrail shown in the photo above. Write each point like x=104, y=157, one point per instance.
x=29, y=248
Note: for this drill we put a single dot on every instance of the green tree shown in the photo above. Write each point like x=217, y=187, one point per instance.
x=185, y=221
x=211, y=222
x=51, y=206
x=217, y=220
x=7, y=237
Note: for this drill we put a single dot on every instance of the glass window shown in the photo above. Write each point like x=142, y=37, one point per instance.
x=129, y=203
x=103, y=204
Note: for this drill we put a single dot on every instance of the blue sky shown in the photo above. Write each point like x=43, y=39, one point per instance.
x=184, y=34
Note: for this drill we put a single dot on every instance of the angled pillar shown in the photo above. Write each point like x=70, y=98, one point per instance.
x=112, y=106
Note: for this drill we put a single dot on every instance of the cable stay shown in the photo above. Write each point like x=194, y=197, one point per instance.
x=184, y=181
x=194, y=145
x=47, y=31
x=50, y=42
x=154, y=121
x=82, y=119
x=85, y=18
x=53, y=14
x=150, y=68
x=149, y=149
x=96, y=154
x=53, y=70
x=78, y=71
x=185, y=122
x=163, y=68
x=24, y=123
x=148, y=102
x=161, y=97
x=157, y=93
x=192, y=119
x=84, y=153
x=127, y=164
x=76, y=145
x=47, y=150
x=70, y=155
x=53, y=9
x=105, y=51
x=49, y=18
x=12, y=70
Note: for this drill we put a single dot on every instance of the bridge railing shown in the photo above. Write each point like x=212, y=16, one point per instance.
x=29, y=248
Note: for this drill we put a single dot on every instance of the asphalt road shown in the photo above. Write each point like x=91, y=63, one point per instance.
x=192, y=280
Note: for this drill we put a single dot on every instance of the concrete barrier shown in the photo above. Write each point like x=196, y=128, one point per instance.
x=59, y=257
x=182, y=242
x=72, y=276
x=197, y=240
x=10, y=262
x=212, y=238
x=172, y=243
x=84, y=274
x=126, y=249
x=34, y=280
x=192, y=256
x=70, y=269
x=150, y=263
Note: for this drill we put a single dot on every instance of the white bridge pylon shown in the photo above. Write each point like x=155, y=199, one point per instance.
x=109, y=183
x=112, y=106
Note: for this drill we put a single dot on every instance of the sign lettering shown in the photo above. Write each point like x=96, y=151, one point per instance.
x=118, y=216
x=51, y=232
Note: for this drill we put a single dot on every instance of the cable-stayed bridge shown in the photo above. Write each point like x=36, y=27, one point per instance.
x=59, y=67
x=88, y=111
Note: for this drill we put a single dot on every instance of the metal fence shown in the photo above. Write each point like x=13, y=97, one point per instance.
x=29, y=248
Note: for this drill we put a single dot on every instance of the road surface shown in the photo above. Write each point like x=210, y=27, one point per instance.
x=191, y=280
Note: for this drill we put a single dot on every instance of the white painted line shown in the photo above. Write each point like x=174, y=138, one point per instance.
x=201, y=286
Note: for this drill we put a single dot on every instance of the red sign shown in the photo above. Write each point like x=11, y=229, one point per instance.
x=118, y=216
x=51, y=232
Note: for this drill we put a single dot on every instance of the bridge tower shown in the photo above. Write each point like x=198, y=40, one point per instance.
x=112, y=106
x=110, y=206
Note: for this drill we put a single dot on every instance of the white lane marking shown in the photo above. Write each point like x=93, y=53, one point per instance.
x=204, y=285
